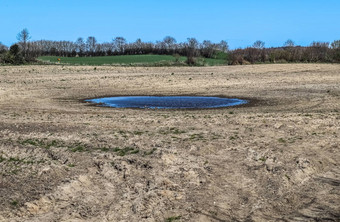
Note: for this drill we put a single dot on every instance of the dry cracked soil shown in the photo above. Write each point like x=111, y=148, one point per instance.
x=275, y=159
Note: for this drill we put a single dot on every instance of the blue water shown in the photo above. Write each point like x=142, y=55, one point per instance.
x=166, y=102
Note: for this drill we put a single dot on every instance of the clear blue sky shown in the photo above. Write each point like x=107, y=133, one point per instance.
x=239, y=22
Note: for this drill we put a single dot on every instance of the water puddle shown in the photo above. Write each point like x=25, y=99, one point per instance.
x=167, y=102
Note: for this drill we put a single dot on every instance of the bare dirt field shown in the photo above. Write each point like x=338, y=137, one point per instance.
x=276, y=159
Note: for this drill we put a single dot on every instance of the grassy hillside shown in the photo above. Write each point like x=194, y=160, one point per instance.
x=124, y=60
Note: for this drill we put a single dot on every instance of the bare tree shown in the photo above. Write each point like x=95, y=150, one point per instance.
x=138, y=47
x=119, y=44
x=193, y=43
x=289, y=43
x=91, y=43
x=3, y=48
x=207, y=49
x=320, y=44
x=192, y=52
x=258, y=44
x=105, y=49
x=336, y=50
x=318, y=51
x=23, y=38
x=335, y=44
x=170, y=43
x=80, y=46
x=223, y=46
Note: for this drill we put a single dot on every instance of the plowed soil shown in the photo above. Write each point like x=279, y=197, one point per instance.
x=275, y=159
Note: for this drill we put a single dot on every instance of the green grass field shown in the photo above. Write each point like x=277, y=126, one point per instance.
x=124, y=60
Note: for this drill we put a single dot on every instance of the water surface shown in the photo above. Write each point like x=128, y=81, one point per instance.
x=167, y=102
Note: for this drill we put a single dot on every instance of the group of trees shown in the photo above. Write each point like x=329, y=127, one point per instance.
x=18, y=53
x=26, y=51
x=289, y=52
x=119, y=46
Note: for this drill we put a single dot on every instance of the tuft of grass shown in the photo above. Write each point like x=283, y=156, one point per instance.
x=78, y=148
x=263, y=158
x=172, y=130
x=105, y=149
x=2, y=159
x=125, y=151
x=52, y=143
x=196, y=136
x=16, y=160
x=30, y=142
x=42, y=143
x=150, y=152
x=176, y=130
x=233, y=137
x=171, y=219
x=138, y=132
x=14, y=203
x=134, y=151
x=281, y=140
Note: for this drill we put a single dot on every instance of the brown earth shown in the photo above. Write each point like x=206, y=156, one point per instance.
x=276, y=159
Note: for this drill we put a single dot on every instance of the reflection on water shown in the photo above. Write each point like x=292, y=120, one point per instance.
x=166, y=102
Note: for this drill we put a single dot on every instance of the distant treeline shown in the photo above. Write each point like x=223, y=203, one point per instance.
x=27, y=51
x=316, y=52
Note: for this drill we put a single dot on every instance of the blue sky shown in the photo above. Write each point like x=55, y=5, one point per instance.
x=239, y=22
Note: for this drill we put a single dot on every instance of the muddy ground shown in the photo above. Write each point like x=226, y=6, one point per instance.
x=276, y=159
